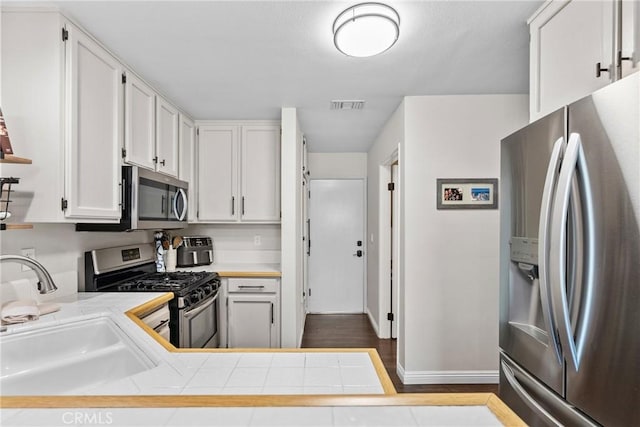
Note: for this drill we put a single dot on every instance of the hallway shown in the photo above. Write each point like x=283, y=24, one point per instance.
x=354, y=330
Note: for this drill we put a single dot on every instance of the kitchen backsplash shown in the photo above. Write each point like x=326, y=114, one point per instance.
x=61, y=250
x=241, y=243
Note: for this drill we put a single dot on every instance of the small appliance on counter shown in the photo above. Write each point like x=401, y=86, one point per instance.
x=195, y=250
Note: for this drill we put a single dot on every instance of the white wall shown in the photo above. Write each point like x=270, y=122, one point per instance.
x=236, y=243
x=450, y=258
x=448, y=329
x=61, y=250
x=292, y=316
x=385, y=145
x=337, y=165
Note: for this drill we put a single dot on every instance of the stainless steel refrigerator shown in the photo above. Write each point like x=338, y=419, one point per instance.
x=570, y=263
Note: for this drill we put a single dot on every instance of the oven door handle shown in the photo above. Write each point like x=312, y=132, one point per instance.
x=199, y=309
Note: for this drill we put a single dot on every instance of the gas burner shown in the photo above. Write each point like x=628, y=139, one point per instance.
x=180, y=282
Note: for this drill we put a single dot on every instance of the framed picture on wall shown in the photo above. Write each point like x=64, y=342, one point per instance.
x=467, y=193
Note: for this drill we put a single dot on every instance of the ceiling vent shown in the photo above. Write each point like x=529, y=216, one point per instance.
x=347, y=105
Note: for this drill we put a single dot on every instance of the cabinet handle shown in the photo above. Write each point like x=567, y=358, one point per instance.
x=621, y=58
x=162, y=162
x=242, y=205
x=251, y=286
x=233, y=205
x=272, y=313
x=155, y=159
x=599, y=69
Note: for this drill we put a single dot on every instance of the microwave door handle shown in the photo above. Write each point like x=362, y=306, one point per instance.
x=135, y=190
x=123, y=203
x=180, y=215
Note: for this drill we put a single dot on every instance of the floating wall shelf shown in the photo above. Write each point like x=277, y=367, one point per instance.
x=8, y=158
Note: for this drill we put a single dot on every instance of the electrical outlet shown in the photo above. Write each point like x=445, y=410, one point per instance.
x=29, y=253
x=257, y=240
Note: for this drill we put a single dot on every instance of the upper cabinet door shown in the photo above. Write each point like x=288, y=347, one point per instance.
x=186, y=170
x=140, y=132
x=568, y=40
x=629, y=36
x=260, y=168
x=94, y=129
x=166, y=137
x=217, y=160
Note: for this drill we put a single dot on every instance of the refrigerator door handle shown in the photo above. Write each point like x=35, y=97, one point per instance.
x=526, y=397
x=543, y=243
x=558, y=249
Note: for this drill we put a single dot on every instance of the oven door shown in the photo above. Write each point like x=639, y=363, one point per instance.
x=198, y=325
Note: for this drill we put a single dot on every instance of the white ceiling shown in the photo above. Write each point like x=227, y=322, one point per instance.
x=248, y=59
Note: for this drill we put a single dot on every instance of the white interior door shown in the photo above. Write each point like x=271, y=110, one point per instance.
x=336, y=272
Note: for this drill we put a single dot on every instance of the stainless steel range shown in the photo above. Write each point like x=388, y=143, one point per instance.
x=194, y=310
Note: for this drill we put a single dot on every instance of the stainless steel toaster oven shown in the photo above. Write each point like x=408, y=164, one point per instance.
x=195, y=250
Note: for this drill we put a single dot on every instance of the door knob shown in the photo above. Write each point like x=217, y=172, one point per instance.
x=358, y=253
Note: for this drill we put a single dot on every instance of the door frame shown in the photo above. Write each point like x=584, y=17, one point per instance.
x=384, y=246
x=365, y=230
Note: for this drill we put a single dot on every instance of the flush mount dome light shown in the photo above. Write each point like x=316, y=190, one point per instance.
x=366, y=29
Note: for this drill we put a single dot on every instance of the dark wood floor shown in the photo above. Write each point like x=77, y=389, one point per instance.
x=354, y=330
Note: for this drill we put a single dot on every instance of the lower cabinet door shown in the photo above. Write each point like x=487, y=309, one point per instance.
x=251, y=321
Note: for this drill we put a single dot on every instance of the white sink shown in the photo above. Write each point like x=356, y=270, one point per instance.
x=68, y=358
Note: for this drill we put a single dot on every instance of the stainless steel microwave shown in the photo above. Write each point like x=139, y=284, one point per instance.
x=151, y=201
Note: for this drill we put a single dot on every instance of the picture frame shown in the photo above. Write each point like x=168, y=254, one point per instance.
x=467, y=193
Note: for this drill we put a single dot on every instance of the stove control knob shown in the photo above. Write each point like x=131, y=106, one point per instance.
x=195, y=296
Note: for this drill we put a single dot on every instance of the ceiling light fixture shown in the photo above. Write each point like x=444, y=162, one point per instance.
x=366, y=29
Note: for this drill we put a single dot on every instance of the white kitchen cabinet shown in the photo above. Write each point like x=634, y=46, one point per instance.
x=260, y=173
x=151, y=128
x=574, y=49
x=238, y=173
x=253, y=313
x=94, y=129
x=63, y=103
x=629, y=51
x=186, y=168
x=217, y=161
x=140, y=122
x=167, y=119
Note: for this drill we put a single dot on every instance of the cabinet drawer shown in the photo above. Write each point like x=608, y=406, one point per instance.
x=255, y=285
x=158, y=317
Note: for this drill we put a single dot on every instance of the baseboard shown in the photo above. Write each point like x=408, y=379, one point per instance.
x=373, y=322
x=447, y=377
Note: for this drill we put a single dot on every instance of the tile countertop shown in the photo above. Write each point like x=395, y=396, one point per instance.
x=332, y=387
x=215, y=371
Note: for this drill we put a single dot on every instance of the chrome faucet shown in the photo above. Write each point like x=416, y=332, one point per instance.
x=45, y=282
